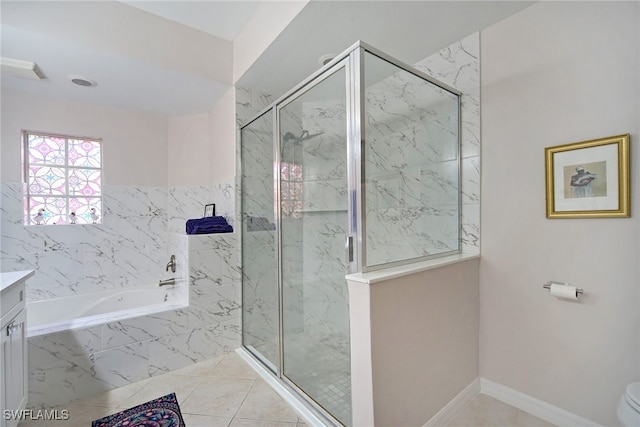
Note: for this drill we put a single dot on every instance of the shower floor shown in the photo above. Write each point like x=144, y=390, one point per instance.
x=319, y=364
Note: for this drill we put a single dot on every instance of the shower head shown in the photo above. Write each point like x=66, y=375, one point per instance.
x=304, y=136
x=288, y=137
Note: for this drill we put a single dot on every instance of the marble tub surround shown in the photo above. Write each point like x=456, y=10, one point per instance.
x=185, y=203
x=68, y=365
x=128, y=249
x=131, y=247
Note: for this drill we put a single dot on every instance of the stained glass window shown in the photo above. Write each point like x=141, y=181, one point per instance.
x=63, y=180
x=291, y=189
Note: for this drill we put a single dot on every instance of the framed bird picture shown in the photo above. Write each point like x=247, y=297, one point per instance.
x=588, y=179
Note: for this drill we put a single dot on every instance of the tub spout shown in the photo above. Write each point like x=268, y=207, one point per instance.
x=171, y=264
x=167, y=282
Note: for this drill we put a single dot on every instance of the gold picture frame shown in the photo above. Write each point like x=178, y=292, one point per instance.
x=588, y=179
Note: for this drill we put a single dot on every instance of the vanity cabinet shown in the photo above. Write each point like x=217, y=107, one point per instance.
x=13, y=346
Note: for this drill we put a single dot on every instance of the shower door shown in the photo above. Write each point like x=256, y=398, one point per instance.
x=314, y=225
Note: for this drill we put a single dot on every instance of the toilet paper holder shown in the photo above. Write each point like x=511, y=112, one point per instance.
x=553, y=282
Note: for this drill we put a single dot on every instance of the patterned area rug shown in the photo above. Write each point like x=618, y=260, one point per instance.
x=161, y=412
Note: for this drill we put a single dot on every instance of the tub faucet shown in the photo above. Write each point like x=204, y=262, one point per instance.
x=167, y=282
x=172, y=264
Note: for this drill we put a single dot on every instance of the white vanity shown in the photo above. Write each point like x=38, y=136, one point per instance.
x=13, y=348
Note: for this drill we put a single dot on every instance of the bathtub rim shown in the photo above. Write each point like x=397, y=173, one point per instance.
x=103, y=318
x=99, y=319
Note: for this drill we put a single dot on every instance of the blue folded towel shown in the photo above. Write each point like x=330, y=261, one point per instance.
x=208, y=225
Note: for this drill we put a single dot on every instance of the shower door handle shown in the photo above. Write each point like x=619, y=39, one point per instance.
x=348, y=248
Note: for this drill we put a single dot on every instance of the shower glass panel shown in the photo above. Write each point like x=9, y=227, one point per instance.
x=356, y=169
x=411, y=166
x=314, y=226
x=260, y=327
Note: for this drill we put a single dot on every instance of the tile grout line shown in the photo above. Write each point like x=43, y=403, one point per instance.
x=255, y=381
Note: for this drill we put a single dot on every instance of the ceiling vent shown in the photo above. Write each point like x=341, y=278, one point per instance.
x=22, y=69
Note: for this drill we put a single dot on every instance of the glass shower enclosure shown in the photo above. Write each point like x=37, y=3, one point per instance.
x=356, y=169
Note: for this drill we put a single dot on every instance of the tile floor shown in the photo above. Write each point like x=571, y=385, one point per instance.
x=225, y=391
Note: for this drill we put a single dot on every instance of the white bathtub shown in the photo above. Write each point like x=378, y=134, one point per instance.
x=96, y=308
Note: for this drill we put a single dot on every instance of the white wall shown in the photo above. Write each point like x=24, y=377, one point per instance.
x=267, y=22
x=134, y=144
x=202, y=146
x=556, y=73
x=222, y=135
x=189, y=150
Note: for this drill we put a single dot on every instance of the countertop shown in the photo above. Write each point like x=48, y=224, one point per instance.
x=12, y=277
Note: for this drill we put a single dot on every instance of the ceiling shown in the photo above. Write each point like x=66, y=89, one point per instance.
x=176, y=57
x=224, y=19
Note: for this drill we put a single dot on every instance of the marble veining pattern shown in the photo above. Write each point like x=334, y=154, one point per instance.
x=186, y=203
x=411, y=164
x=130, y=247
x=459, y=66
x=127, y=249
x=70, y=364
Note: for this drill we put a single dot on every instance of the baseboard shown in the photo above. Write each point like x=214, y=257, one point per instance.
x=446, y=414
x=533, y=406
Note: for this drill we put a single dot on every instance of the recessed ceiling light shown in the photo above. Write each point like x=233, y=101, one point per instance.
x=82, y=81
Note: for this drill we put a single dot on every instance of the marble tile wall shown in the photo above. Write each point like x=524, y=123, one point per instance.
x=260, y=298
x=129, y=248
x=324, y=222
x=185, y=203
x=411, y=156
x=72, y=364
x=459, y=66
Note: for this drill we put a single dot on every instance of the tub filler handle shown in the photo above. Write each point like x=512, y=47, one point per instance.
x=167, y=282
x=171, y=264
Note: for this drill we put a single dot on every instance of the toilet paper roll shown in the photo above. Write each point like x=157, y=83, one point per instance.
x=563, y=291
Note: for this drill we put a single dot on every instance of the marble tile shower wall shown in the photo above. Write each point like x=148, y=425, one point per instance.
x=259, y=272
x=261, y=321
x=129, y=248
x=325, y=219
x=459, y=66
x=411, y=193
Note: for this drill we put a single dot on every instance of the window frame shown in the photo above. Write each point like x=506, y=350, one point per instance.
x=26, y=164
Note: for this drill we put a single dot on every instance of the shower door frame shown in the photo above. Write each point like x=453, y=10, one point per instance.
x=315, y=80
x=352, y=59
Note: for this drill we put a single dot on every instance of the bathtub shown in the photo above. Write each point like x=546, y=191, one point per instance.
x=96, y=308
